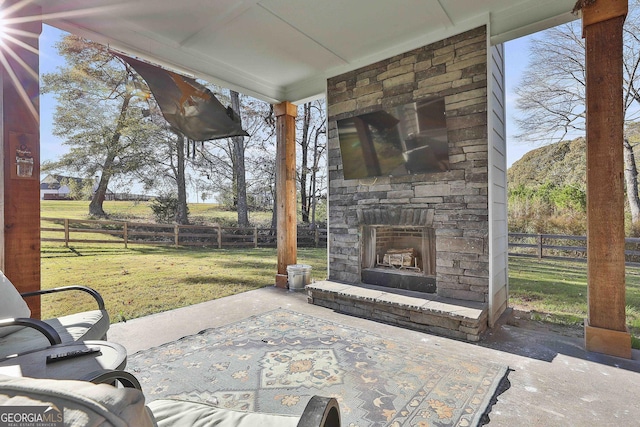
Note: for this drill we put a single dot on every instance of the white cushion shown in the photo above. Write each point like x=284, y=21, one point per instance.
x=83, y=403
x=176, y=413
x=11, y=305
x=84, y=326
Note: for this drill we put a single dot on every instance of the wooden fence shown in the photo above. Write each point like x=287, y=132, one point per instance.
x=554, y=246
x=122, y=232
x=558, y=246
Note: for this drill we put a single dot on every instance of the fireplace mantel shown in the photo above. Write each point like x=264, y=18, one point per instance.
x=396, y=216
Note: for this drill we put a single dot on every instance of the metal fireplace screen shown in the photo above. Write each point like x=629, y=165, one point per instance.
x=399, y=248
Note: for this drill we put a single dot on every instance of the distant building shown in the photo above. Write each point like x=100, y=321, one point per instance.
x=54, y=187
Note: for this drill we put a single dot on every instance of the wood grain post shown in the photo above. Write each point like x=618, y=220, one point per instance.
x=255, y=237
x=286, y=113
x=20, y=170
x=539, y=246
x=605, y=327
x=66, y=232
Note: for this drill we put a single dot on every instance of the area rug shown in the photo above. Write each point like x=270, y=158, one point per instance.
x=274, y=362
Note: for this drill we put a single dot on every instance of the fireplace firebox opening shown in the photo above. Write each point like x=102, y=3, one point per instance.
x=399, y=257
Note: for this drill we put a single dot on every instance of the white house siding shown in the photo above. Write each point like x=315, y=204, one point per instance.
x=498, y=229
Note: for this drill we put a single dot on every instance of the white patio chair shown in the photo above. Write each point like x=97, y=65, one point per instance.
x=19, y=333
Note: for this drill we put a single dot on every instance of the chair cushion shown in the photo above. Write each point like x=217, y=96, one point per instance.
x=83, y=403
x=11, y=305
x=84, y=326
x=177, y=413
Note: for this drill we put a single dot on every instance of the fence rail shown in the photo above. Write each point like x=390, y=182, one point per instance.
x=557, y=246
x=68, y=231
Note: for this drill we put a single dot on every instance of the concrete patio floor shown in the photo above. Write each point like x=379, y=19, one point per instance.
x=552, y=381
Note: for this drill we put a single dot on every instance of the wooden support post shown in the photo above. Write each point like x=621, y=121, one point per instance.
x=286, y=214
x=176, y=235
x=605, y=327
x=125, y=234
x=20, y=165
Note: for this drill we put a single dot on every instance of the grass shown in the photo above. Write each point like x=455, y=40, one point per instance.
x=199, y=213
x=143, y=280
x=556, y=291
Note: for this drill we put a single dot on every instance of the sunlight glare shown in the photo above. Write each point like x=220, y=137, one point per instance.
x=2, y=28
x=6, y=51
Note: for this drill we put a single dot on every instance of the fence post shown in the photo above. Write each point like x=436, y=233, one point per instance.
x=125, y=234
x=255, y=236
x=66, y=232
x=539, y=246
x=316, y=237
x=219, y=237
x=176, y=233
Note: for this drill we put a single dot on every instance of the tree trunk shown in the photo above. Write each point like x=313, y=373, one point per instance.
x=95, y=207
x=631, y=181
x=314, y=179
x=182, y=215
x=241, y=184
x=303, y=167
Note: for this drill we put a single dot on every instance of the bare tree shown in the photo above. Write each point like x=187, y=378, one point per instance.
x=312, y=144
x=233, y=165
x=239, y=171
x=552, y=92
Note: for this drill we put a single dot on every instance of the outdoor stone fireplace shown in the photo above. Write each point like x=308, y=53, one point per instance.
x=418, y=221
x=448, y=207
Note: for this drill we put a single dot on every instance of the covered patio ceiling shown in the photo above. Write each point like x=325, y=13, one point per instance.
x=284, y=50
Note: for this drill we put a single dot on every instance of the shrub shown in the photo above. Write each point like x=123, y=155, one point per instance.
x=165, y=208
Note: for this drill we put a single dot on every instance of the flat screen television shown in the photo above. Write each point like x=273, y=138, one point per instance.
x=407, y=139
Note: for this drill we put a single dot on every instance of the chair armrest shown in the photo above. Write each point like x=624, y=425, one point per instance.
x=110, y=376
x=320, y=412
x=95, y=294
x=42, y=327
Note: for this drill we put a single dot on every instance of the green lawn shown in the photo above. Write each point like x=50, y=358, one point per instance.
x=141, y=211
x=142, y=280
x=556, y=291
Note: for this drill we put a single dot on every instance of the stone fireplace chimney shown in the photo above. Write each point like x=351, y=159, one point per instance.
x=441, y=216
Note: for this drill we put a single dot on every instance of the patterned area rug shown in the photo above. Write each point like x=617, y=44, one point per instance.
x=275, y=362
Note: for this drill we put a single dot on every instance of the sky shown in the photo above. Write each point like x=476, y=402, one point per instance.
x=51, y=147
x=516, y=61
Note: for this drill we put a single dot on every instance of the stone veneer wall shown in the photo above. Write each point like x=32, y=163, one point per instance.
x=456, y=201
